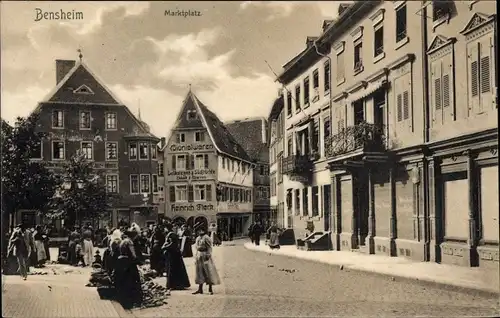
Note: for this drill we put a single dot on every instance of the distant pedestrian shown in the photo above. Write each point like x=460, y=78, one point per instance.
x=206, y=273
x=19, y=246
x=274, y=242
x=250, y=231
x=157, y=240
x=41, y=254
x=88, y=247
x=79, y=254
x=186, y=241
x=257, y=232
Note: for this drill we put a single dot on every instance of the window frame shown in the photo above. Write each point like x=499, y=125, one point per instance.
x=180, y=138
x=89, y=119
x=58, y=111
x=289, y=104
x=107, y=127
x=181, y=187
x=401, y=29
x=108, y=175
x=161, y=169
x=91, y=149
x=199, y=189
x=130, y=144
x=327, y=71
x=140, y=145
x=307, y=90
x=138, y=183
x=298, y=106
x=199, y=134
x=185, y=157
x=154, y=180
x=106, y=147
x=64, y=149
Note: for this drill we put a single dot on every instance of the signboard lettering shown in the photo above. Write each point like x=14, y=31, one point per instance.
x=192, y=207
x=179, y=148
x=191, y=174
x=233, y=206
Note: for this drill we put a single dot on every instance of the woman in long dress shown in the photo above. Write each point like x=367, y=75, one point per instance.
x=88, y=247
x=206, y=273
x=177, y=277
x=274, y=239
x=157, y=241
x=186, y=242
x=126, y=274
x=41, y=255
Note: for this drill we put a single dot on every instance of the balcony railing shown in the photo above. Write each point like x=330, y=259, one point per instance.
x=364, y=136
x=297, y=164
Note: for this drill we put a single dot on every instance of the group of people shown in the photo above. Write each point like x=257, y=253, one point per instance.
x=167, y=245
x=29, y=247
x=80, y=248
x=272, y=234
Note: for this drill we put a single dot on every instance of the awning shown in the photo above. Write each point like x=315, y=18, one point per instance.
x=368, y=90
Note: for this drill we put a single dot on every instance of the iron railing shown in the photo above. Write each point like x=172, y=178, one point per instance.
x=297, y=164
x=364, y=136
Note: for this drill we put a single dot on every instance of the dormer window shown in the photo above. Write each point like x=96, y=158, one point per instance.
x=84, y=89
x=191, y=114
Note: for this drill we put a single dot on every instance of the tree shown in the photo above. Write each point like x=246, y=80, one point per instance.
x=26, y=183
x=81, y=192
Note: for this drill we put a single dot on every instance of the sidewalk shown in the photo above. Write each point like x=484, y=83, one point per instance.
x=448, y=275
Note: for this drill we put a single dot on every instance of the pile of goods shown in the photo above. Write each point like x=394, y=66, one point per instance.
x=154, y=294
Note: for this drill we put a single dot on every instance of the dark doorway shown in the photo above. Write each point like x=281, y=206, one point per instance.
x=361, y=200
x=327, y=206
x=378, y=111
x=359, y=112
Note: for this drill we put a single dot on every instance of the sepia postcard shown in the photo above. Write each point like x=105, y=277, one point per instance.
x=249, y=158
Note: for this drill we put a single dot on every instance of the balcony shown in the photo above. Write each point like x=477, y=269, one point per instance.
x=363, y=140
x=298, y=167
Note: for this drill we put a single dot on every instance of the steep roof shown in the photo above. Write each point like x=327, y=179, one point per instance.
x=222, y=139
x=81, y=86
x=251, y=133
x=276, y=108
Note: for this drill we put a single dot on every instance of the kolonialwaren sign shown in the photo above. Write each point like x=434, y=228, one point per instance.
x=178, y=148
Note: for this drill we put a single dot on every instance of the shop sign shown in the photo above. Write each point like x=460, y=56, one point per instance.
x=233, y=206
x=192, y=207
x=192, y=174
x=181, y=148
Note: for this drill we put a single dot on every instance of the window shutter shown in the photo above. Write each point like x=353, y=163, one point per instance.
x=399, y=108
x=437, y=93
x=406, y=105
x=473, y=60
x=485, y=73
x=206, y=161
x=172, y=193
x=174, y=162
x=446, y=90
x=178, y=138
x=209, y=192
x=190, y=193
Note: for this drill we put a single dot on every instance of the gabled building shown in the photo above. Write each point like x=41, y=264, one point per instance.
x=276, y=123
x=251, y=134
x=81, y=113
x=208, y=174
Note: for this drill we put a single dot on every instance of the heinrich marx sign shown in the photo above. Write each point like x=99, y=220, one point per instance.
x=192, y=207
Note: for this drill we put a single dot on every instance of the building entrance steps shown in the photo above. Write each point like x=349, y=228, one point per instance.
x=468, y=278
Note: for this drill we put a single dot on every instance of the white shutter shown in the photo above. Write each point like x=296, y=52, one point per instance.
x=447, y=89
x=485, y=67
x=473, y=78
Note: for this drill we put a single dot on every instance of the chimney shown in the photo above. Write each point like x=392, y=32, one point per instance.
x=310, y=40
x=163, y=141
x=62, y=68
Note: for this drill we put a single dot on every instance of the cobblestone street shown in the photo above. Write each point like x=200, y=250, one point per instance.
x=254, y=284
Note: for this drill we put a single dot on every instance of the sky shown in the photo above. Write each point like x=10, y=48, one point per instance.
x=148, y=59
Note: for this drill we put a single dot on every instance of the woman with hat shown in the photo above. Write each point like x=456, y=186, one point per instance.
x=177, y=277
x=206, y=273
x=19, y=247
x=126, y=274
x=157, y=241
x=41, y=255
